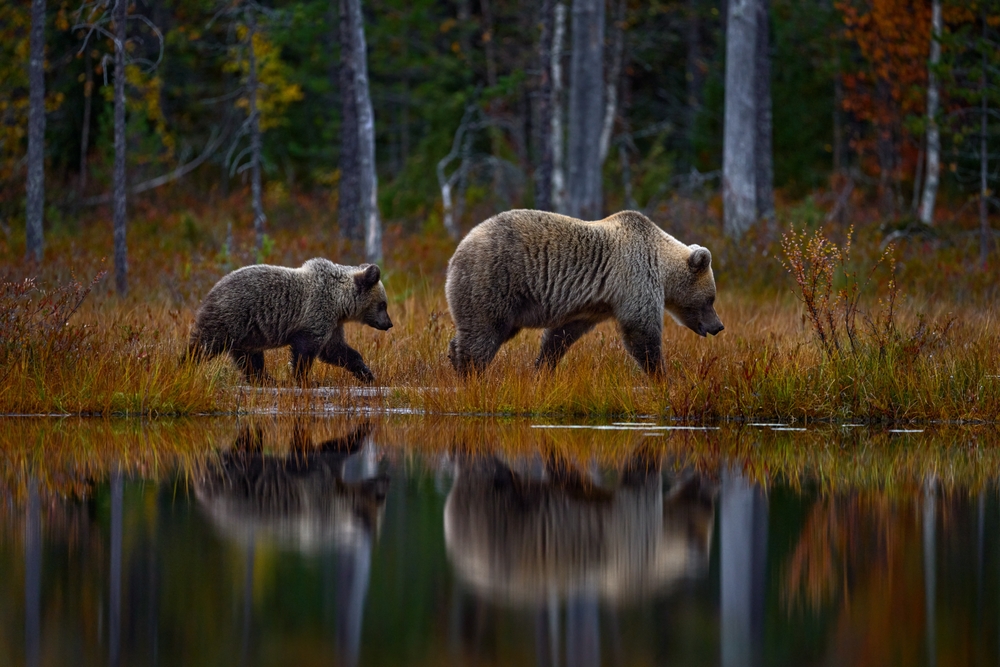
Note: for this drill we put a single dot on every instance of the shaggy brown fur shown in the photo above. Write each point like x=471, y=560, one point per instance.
x=262, y=307
x=533, y=269
x=519, y=537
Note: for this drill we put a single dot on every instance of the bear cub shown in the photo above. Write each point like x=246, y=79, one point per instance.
x=262, y=307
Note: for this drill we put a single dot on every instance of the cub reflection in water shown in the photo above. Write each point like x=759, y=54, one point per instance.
x=534, y=537
x=325, y=498
x=317, y=495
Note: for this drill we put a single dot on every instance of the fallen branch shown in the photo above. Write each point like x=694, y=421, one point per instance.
x=179, y=172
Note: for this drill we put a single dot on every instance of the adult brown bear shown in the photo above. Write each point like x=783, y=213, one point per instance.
x=533, y=269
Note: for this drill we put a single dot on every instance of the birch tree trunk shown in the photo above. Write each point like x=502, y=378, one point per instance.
x=259, y=219
x=695, y=75
x=985, y=233
x=546, y=108
x=611, y=87
x=35, y=207
x=558, y=173
x=366, y=138
x=88, y=96
x=763, y=151
x=586, y=109
x=120, y=16
x=739, y=183
x=933, y=133
x=348, y=204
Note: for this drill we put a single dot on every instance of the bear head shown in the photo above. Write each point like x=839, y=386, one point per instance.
x=371, y=298
x=693, y=302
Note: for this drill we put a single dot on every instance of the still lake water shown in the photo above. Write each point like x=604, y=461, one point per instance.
x=420, y=541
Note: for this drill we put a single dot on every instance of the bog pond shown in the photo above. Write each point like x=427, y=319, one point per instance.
x=408, y=540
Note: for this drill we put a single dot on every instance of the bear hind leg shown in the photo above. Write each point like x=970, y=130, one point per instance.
x=556, y=341
x=474, y=352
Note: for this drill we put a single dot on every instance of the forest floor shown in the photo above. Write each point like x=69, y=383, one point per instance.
x=820, y=325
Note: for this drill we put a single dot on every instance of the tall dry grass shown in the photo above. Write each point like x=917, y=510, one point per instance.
x=935, y=356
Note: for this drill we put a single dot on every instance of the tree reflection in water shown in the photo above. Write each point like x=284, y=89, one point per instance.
x=266, y=540
x=550, y=537
x=316, y=499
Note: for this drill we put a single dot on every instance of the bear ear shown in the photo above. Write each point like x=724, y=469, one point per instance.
x=700, y=259
x=367, y=277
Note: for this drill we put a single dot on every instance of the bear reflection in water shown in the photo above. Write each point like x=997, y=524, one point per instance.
x=322, y=499
x=531, y=538
x=317, y=496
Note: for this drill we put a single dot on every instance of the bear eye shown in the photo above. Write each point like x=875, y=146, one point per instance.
x=382, y=306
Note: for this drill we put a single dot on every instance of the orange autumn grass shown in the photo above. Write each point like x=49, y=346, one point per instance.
x=766, y=365
x=66, y=352
x=67, y=456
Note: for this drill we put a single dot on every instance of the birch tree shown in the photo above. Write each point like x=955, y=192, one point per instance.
x=556, y=134
x=739, y=168
x=368, y=181
x=253, y=119
x=88, y=96
x=94, y=18
x=586, y=110
x=986, y=46
x=611, y=85
x=348, y=200
x=119, y=17
x=36, y=134
x=933, y=133
x=763, y=153
x=543, y=178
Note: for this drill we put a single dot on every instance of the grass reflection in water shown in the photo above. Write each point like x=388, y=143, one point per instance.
x=390, y=540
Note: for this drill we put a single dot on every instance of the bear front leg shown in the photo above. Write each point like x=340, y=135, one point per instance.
x=303, y=355
x=556, y=341
x=252, y=365
x=345, y=356
x=301, y=363
x=644, y=343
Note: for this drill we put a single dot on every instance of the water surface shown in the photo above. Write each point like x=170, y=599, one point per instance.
x=406, y=540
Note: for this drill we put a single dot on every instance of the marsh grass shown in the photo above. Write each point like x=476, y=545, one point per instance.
x=906, y=353
x=67, y=457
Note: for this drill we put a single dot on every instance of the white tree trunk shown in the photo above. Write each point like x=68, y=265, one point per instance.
x=739, y=183
x=933, y=133
x=763, y=145
x=366, y=138
x=349, y=199
x=88, y=96
x=586, y=109
x=543, y=175
x=120, y=16
x=556, y=133
x=985, y=233
x=259, y=219
x=35, y=210
x=611, y=86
